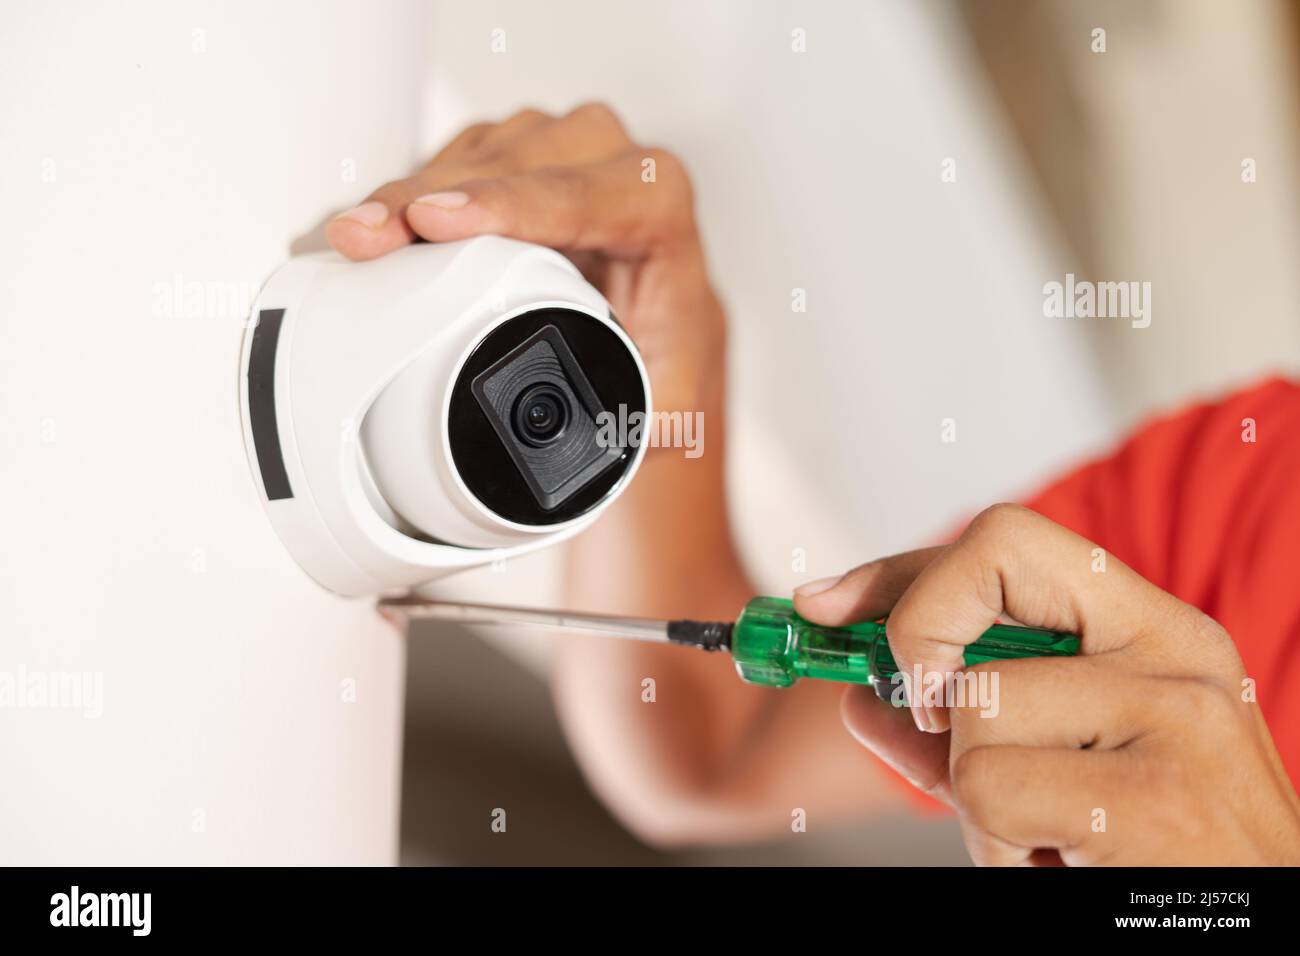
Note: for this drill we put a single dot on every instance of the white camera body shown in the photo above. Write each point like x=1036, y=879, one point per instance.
x=433, y=409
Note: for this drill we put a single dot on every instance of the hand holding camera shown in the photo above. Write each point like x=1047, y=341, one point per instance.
x=621, y=211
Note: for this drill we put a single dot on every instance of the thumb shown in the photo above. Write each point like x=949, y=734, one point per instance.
x=867, y=592
x=603, y=207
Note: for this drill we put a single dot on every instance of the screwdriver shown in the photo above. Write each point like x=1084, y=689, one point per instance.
x=770, y=644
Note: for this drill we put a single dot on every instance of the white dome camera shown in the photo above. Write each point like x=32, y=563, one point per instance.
x=434, y=409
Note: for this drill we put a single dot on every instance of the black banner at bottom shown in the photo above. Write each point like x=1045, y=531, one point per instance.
x=617, y=906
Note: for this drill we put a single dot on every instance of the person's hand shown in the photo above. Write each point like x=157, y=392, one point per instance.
x=1148, y=748
x=577, y=183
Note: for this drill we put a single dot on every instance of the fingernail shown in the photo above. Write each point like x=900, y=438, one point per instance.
x=924, y=722
x=818, y=586
x=372, y=214
x=448, y=200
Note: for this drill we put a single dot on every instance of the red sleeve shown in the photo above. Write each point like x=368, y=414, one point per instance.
x=1196, y=507
x=1205, y=504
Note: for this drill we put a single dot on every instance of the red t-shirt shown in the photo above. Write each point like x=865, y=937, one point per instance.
x=1214, y=520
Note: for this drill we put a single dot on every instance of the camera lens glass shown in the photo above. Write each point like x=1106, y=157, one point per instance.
x=541, y=414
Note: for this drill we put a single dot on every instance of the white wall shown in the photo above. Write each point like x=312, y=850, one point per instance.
x=1184, y=94
x=150, y=144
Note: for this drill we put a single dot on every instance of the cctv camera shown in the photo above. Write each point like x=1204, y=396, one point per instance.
x=434, y=409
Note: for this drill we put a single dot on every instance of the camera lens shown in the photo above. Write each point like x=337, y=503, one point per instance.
x=541, y=414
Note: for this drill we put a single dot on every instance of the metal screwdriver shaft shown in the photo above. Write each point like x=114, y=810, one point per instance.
x=608, y=625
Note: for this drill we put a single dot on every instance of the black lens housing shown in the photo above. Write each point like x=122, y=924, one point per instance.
x=523, y=418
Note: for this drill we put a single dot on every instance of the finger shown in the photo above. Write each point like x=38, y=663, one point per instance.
x=1082, y=704
x=377, y=225
x=374, y=226
x=867, y=592
x=498, y=133
x=889, y=733
x=465, y=142
x=985, y=849
x=1031, y=798
x=591, y=133
x=1068, y=703
x=606, y=207
x=530, y=139
x=1013, y=561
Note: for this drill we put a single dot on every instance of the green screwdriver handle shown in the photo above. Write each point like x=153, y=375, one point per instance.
x=774, y=646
